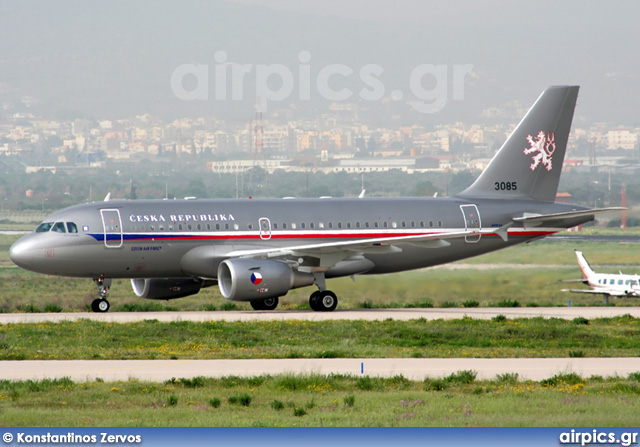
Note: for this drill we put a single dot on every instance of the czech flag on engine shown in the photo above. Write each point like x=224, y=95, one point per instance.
x=256, y=278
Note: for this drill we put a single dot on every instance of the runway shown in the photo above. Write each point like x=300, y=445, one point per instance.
x=567, y=313
x=415, y=369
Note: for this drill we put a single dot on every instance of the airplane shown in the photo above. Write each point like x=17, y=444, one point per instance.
x=606, y=284
x=256, y=250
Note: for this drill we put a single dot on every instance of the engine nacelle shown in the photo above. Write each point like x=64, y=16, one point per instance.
x=252, y=279
x=166, y=288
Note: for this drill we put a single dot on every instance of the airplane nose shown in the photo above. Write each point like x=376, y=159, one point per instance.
x=24, y=254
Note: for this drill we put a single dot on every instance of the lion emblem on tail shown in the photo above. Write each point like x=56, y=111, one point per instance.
x=543, y=147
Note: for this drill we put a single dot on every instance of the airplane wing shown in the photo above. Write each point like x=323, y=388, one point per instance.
x=363, y=245
x=539, y=219
x=593, y=292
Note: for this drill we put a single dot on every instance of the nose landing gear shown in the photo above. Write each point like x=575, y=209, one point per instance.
x=101, y=304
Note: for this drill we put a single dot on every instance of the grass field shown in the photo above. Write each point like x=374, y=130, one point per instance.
x=466, y=337
x=456, y=400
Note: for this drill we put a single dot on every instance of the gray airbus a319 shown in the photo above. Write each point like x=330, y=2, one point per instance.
x=258, y=250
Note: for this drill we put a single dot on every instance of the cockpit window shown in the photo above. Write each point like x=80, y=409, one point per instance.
x=44, y=227
x=72, y=227
x=58, y=227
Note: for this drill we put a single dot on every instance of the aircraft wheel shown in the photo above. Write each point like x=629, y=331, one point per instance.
x=268, y=304
x=100, y=306
x=323, y=301
x=313, y=301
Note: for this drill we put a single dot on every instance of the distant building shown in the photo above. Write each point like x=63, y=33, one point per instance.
x=621, y=139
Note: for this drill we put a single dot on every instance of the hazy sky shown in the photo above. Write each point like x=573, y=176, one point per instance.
x=121, y=58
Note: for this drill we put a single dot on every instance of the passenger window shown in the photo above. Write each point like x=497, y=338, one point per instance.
x=330, y=224
x=620, y=282
x=348, y=224
x=386, y=224
x=71, y=227
x=302, y=225
x=152, y=227
x=284, y=226
x=612, y=281
x=58, y=227
x=44, y=227
x=293, y=226
x=199, y=227
x=250, y=226
x=366, y=224
x=226, y=226
x=339, y=224
x=180, y=227
x=413, y=224
x=312, y=225
x=321, y=225
x=357, y=224
x=217, y=226
x=440, y=223
x=375, y=224
x=236, y=226
x=431, y=223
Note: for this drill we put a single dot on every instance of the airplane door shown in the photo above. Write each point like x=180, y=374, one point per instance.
x=265, y=228
x=471, y=221
x=112, y=228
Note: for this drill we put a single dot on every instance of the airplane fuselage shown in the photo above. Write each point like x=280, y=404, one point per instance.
x=157, y=238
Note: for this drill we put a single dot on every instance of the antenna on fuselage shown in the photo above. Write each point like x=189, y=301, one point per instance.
x=108, y=197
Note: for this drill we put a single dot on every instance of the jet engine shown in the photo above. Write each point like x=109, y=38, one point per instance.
x=166, y=288
x=258, y=279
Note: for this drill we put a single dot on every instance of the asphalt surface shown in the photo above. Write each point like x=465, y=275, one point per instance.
x=416, y=369
x=568, y=313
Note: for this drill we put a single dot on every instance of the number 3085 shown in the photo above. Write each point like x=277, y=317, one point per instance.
x=506, y=186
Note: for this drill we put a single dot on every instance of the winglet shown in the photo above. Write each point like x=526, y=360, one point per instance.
x=503, y=231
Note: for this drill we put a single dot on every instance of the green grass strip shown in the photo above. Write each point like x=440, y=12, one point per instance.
x=318, y=400
x=466, y=337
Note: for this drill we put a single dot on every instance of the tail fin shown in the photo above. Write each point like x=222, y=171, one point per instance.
x=585, y=268
x=529, y=163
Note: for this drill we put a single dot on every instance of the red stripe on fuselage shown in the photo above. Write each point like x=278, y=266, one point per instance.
x=312, y=236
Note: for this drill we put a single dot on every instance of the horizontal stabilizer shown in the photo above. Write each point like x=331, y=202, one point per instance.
x=541, y=218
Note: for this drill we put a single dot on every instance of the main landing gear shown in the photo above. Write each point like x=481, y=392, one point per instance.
x=322, y=300
x=268, y=304
x=101, y=304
